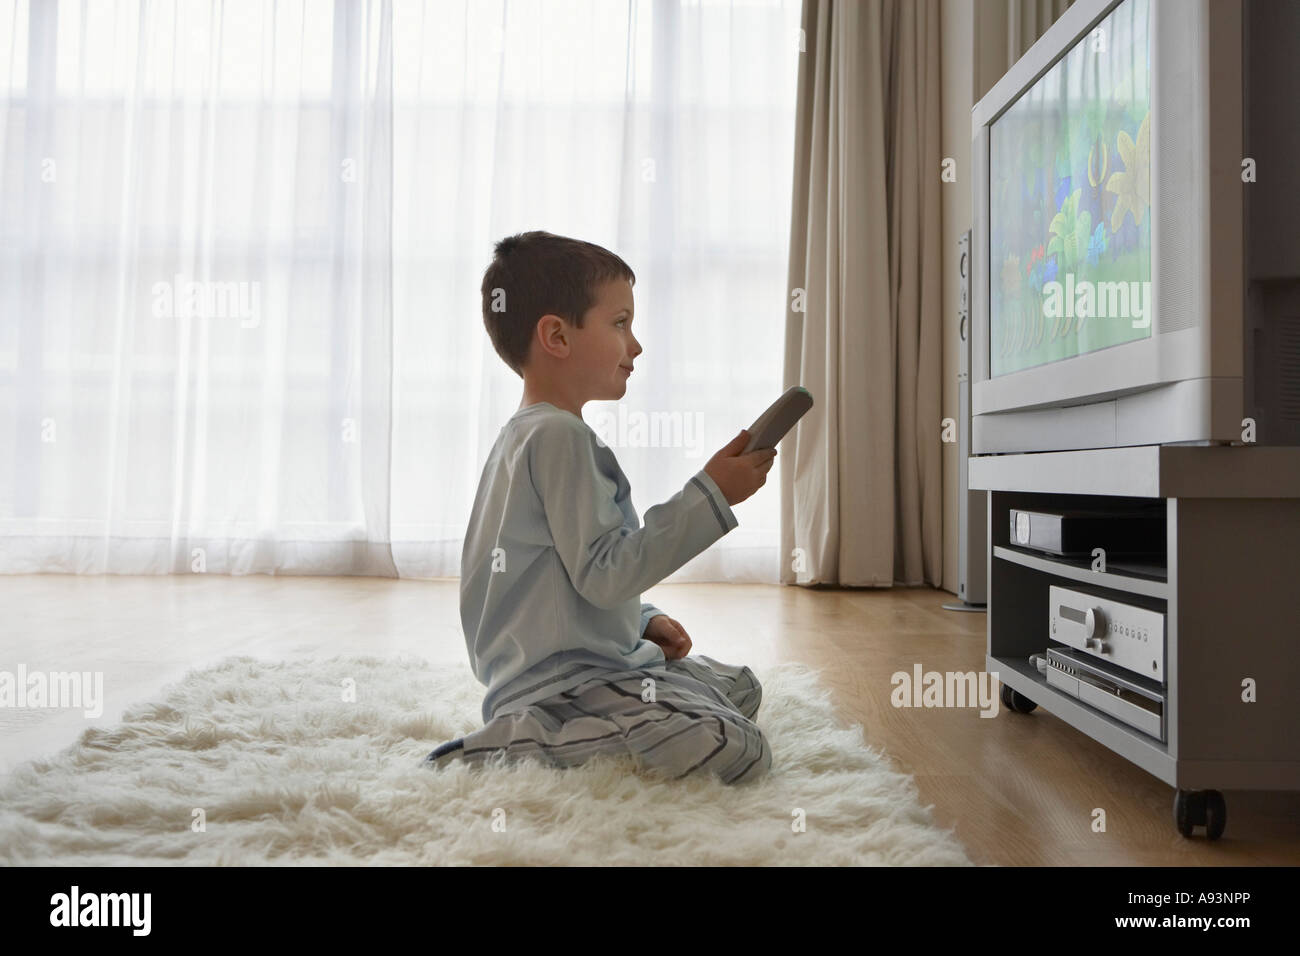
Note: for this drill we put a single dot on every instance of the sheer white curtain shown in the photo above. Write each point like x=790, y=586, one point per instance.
x=195, y=351
x=241, y=247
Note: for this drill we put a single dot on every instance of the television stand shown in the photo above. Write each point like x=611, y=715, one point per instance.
x=1227, y=584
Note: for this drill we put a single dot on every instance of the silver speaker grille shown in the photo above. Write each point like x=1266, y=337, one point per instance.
x=1179, y=129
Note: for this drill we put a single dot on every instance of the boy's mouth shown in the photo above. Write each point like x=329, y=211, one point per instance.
x=626, y=368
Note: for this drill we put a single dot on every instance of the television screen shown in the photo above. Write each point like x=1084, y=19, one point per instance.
x=1069, y=205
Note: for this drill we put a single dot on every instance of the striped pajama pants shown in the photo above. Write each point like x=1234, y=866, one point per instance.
x=700, y=720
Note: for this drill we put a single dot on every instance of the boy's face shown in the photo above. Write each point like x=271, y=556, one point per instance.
x=604, y=348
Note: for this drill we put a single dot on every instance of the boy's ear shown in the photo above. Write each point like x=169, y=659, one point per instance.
x=553, y=335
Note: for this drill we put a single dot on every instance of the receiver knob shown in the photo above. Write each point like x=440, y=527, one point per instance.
x=1092, y=623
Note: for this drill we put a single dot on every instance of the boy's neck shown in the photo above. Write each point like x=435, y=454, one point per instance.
x=534, y=393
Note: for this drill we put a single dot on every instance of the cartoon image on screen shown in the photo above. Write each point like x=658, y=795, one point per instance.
x=1070, y=197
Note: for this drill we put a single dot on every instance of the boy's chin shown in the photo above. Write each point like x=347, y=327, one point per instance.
x=614, y=393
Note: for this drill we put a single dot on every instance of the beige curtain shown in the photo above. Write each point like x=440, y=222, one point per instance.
x=861, y=478
x=1027, y=20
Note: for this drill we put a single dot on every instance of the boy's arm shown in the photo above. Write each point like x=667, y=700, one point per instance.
x=609, y=564
x=647, y=611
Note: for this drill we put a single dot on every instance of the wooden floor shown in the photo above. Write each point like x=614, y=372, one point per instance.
x=1019, y=789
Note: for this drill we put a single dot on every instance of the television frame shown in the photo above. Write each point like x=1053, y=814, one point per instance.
x=1185, y=383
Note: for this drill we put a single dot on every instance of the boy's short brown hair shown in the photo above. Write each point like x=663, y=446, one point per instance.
x=537, y=273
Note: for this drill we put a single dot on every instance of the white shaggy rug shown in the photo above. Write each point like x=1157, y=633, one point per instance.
x=285, y=771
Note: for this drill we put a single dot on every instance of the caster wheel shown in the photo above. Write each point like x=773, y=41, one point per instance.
x=1189, y=810
x=1200, y=808
x=1216, y=814
x=1015, y=701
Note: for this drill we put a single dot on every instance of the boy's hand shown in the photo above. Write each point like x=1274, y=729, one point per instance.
x=668, y=634
x=739, y=476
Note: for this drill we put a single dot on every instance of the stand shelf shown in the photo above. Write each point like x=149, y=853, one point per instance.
x=1226, y=583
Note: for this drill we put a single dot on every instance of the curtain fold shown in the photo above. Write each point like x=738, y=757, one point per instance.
x=1027, y=20
x=861, y=481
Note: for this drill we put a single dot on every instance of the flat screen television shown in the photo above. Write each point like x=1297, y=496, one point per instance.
x=1136, y=239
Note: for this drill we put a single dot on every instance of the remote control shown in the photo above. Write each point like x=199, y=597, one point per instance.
x=779, y=418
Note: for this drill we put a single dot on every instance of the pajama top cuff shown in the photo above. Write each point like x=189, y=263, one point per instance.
x=717, y=501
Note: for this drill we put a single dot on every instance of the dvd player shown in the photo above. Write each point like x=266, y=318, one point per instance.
x=1128, y=697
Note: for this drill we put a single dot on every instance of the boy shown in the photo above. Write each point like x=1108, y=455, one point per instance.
x=555, y=559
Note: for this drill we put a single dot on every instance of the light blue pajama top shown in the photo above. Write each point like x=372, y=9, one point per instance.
x=555, y=559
